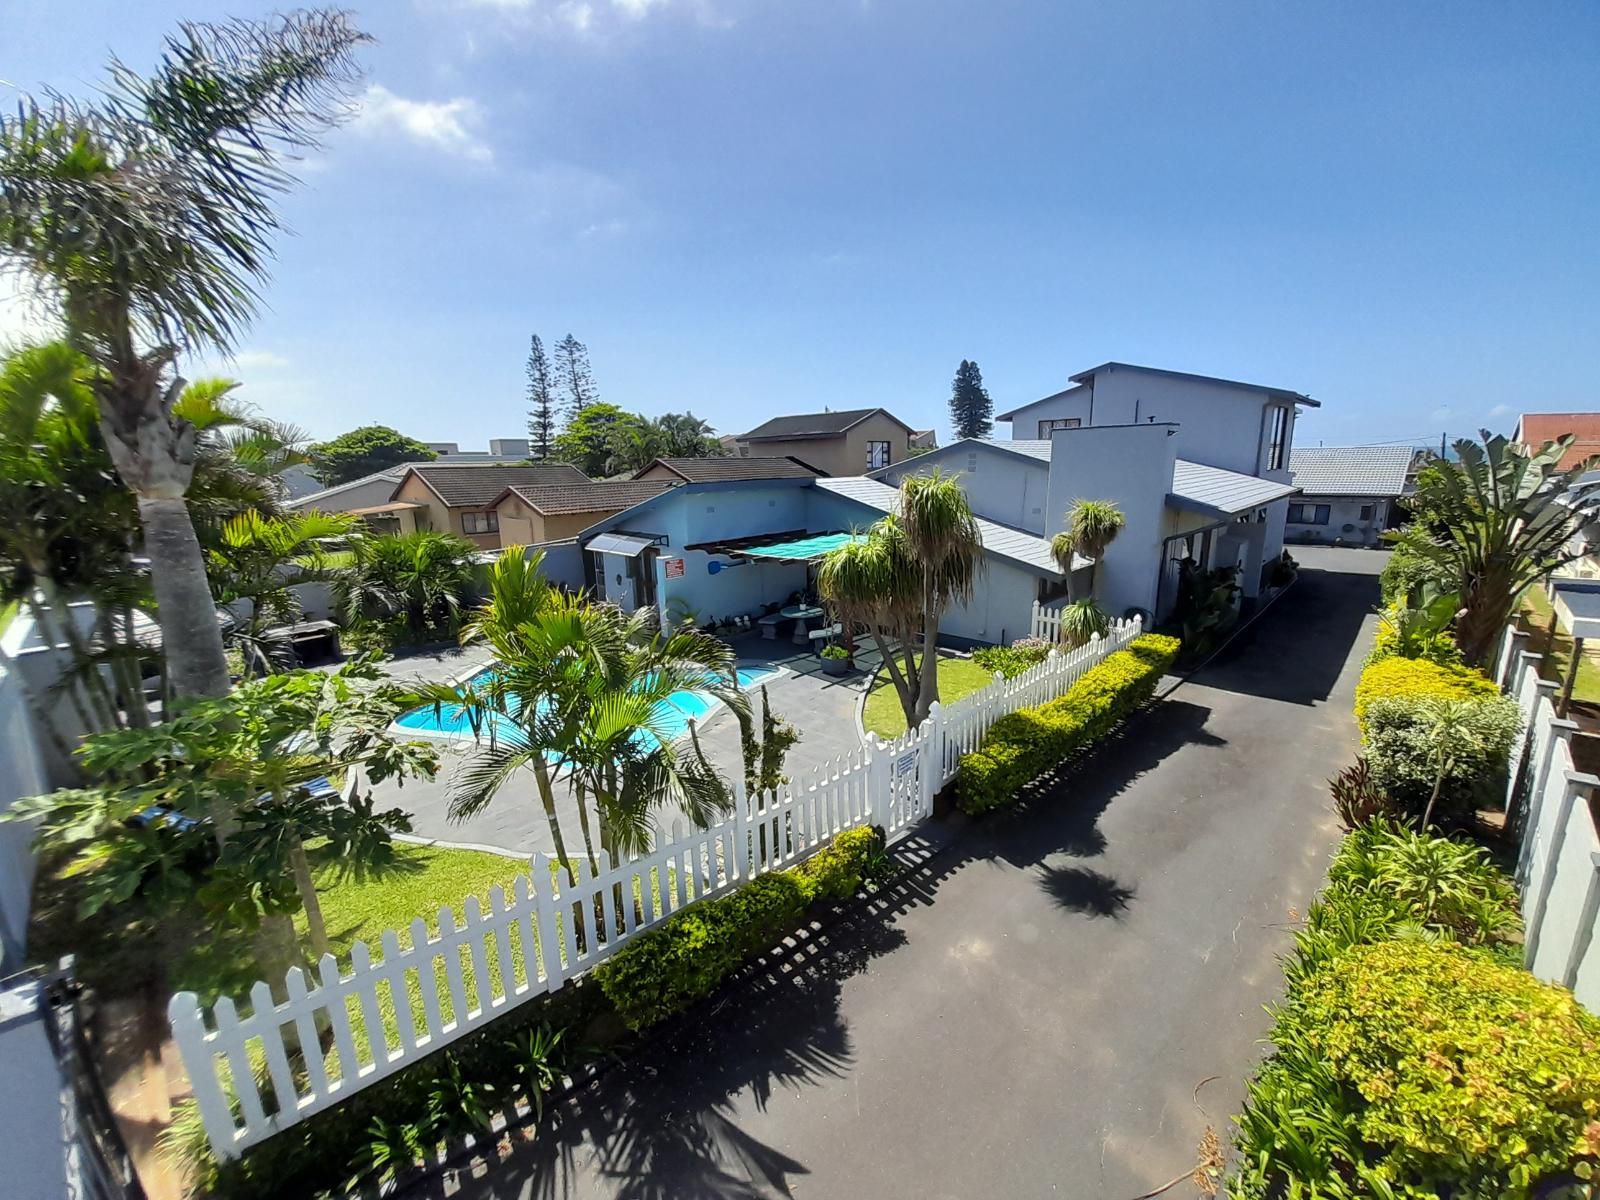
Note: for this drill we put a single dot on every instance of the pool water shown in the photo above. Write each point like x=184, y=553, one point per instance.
x=675, y=712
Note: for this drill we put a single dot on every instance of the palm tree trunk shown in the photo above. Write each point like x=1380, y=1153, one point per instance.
x=928, y=682
x=306, y=885
x=902, y=687
x=190, y=635
x=541, y=775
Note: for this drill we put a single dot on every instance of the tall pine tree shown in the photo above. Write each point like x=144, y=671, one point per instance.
x=542, y=415
x=971, y=410
x=573, y=377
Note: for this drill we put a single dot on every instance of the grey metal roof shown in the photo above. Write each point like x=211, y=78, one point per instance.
x=815, y=425
x=1024, y=549
x=1275, y=393
x=1200, y=488
x=1351, y=470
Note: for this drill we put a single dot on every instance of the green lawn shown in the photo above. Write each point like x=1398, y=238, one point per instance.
x=8, y=613
x=957, y=677
x=1535, y=617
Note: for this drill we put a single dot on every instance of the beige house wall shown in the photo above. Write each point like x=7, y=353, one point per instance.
x=657, y=471
x=521, y=524
x=844, y=455
x=435, y=515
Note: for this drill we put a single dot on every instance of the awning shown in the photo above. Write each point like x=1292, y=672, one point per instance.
x=629, y=544
x=375, y=510
x=790, y=546
x=1217, y=492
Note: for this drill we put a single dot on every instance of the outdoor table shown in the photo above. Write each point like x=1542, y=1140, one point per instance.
x=800, y=614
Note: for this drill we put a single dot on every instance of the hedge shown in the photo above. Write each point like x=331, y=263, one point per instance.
x=1413, y=1056
x=1024, y=745
x=1418, y=678
x=666, y=969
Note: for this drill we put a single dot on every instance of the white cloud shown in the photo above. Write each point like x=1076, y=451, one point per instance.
x=449, y=125
x=1501, y=410
x=259, y=360
x=595, y=18
x=1442, y=413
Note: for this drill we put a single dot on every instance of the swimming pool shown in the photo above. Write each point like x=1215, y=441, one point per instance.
x=676, y=711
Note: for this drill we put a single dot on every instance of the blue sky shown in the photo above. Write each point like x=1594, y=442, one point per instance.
x=750, y=208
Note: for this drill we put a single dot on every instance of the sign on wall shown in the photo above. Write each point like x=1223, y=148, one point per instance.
x=672, y=567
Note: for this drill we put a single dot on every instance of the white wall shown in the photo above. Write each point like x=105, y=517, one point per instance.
x=1001, y=610
x=1131, y=465
x=1072, y=404
x=1342, y=511
x=737, y=589
x=365, y=495
x=1011, y=489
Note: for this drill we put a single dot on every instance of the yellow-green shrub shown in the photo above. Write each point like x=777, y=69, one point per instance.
x=1417, y=677
x=664, y=970
x=1023, y=745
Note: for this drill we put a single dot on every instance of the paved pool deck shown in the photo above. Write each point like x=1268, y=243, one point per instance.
x=822, y=707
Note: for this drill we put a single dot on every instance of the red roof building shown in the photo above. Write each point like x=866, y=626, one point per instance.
x=1535, y=429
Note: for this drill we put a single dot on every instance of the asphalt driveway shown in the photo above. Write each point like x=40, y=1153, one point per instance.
x=1056, y=1002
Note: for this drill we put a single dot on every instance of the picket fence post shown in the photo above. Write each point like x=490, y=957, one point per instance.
x=741, y=835
x=189, y=1032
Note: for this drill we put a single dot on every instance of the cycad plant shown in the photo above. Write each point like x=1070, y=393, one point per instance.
x=1497, y=520
x=1082, y=621
x=413, y=584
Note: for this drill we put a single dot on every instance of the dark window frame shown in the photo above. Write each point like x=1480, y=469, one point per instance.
x=490, y=522
x=1320, y=514
x=1278, y=437
x=888, y=455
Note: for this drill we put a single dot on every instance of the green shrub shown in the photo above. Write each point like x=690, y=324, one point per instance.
x=1404, y=759
x=1023, y=745
x=666, y=969
x=1422, y=1069
x=1405, y=574
x=1014, y=659
x=1394, y=638
x=1413, y=1056
x=1389, y=677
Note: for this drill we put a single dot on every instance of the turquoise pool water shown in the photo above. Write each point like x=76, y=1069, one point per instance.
x=676, y=711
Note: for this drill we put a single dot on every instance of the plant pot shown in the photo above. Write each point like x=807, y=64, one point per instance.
x=836, y=666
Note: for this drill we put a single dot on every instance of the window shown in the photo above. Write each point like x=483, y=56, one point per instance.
x=1278, y=438
x=744, y=450
x=1366, y=512
x=1058, y=423
x=484, y=522
x=877, y=455
x=972, y=463
x=1308, y=514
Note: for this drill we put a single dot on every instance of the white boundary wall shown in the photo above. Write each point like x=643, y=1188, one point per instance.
x=443, y=985
x=1558, y=862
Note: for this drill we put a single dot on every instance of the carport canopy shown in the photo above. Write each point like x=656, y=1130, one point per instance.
x=795, y=546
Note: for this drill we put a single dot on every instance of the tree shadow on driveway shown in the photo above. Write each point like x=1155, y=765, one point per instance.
x=667, y=1122
x=664, y=1125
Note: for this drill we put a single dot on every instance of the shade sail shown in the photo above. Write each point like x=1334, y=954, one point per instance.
x=806, y=549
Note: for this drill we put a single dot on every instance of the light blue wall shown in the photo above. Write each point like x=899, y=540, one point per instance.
x=738, y=589
x=1000, y=486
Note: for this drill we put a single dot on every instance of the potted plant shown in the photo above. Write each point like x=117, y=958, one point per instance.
x=835, y=660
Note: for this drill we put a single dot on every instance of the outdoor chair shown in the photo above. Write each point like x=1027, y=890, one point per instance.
x=769, y=626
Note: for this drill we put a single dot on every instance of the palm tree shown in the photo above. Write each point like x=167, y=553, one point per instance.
x=260, y=560
x=1092, y=525
x=901, y=577
x=147, y=214
x=578, y=699
x=1499, y=519
x=417, y=581
x=518, y=592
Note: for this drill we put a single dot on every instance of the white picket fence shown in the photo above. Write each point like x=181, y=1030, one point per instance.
x=441, y=985
x=1558, y=862
x=1046, y=622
